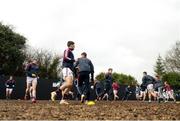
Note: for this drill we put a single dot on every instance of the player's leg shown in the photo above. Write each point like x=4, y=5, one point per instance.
x=149, y=95
x=65, y=91
x=10, y=92
x=145, y=94
x=81, y=85
x=150, y=92
x=34, y=85
x=53, y=95
x=114, y=94
x=125, y=96
x=168, y=95
x=28, y=85
x=98, y=93
x=7, y=93
x=30, y=92
x=172, y=95
x=87, y=87
x=107, y=88
x=67, y=84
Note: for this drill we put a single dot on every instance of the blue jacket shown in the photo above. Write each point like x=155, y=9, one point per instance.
x=146, y=80
x=158, y=84
x=32, y=70
x=85, y=65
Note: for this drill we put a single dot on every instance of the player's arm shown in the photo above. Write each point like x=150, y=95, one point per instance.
x=13, y=84
x=144, y=80
x=76, y=63
x=76, y=68
x=6, y=83
x=92, y=71
x=27, y=70
x=37, y=72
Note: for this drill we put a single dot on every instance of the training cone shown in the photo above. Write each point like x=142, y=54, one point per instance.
x=90, y=103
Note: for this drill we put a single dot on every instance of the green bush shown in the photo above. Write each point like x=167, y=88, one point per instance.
x=173, y=78
x=121, y=78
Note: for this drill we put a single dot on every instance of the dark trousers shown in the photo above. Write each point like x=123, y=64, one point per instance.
x=107, y=88
x=126, y=96
x=83, y=84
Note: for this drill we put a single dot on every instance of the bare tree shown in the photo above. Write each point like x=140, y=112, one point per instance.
x=49, y=63
x=172, y=59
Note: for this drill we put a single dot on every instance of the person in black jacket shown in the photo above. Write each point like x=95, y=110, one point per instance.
x=10, y=85
x=108, y=83
x=128, y=92
x=32, y=70
x=85, y=67
x=68, y=71
x=99, y=89
x=158, y=86
x=148, y=81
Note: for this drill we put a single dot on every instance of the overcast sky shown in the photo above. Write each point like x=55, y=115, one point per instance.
x=126, y=35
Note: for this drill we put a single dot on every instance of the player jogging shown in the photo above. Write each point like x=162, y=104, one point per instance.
x=85, y=67
x=68, y=67
x=115, y=87
x=148, y=81
x=32, y=71
x=108, y=83
x=10, y=84
x=169, y=91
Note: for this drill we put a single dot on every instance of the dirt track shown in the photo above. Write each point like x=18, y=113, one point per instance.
x=101, y=110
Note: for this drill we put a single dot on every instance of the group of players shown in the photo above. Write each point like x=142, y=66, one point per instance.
x=71, y=69
x=155, y=88
x=80, y=70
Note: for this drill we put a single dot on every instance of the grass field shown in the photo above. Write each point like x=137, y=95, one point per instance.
x=104, y=110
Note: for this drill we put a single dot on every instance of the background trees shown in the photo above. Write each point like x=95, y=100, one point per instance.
x=172, y=59
x=169, y=68
x=49, y=63
x=14, y=53
x=119, y=77
x=12, y=47
x=159, y=68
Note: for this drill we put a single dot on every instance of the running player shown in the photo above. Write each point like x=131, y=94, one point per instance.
x=108, y=83
x=10, y=84
x=128, y=93
x=32, y=71
x=68, y=68
x=85, y=67
x=115, y=87
x=158, y=86
x=148, y=81
x=143, y=91
x=138, y=92
x=169, y=91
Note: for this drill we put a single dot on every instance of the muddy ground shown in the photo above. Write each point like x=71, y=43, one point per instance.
x=115, y=110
